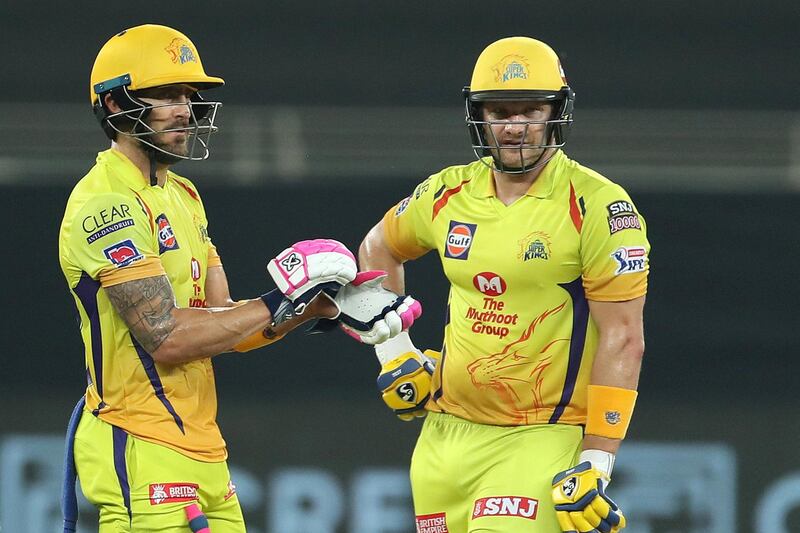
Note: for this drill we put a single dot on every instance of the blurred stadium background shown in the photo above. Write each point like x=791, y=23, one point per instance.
x=333, y=112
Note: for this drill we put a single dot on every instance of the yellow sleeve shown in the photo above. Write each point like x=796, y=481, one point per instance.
x=213, y=257
x=407, y=225
x=113, y=240
x=614, y=247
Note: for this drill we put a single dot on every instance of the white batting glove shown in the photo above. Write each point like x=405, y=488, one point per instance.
x=307, y=267
x=372, y=314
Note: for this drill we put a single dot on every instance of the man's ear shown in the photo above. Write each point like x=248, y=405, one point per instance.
x=111, y=104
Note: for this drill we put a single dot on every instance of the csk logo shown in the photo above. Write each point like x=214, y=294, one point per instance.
x=180, y=51
x=512, y=67
x=535, y=245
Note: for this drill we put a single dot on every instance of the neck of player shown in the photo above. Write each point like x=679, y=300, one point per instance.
x=132, y=149
x=511, y=187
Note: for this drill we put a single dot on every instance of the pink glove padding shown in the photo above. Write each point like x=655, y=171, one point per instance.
x=306, y=264
x=372, y=314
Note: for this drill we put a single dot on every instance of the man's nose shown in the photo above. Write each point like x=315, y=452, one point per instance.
x=183, y=110
x=516, y=125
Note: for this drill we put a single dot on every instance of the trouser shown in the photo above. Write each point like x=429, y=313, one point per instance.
x=139, y=486
x=470, y=478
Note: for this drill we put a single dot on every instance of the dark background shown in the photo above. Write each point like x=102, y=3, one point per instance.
x=722, y=325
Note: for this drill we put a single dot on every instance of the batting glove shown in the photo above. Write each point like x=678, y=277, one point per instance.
x=372, y=314
x=405, y=383
x=306, y=268
x=581, y=503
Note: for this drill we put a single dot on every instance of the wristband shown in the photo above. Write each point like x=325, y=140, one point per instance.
x=273, y=300
x=601, y=460
x=398, y=345
x=609, y=411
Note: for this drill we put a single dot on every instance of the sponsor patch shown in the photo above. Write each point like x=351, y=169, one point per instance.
x=489, y=283
x=402, y=206
x=172, y=492
x=622, y=216
x=432, y=523
x=166, y=237
x=123, y=253
x=231, y=490
x=422, y=188
x=109, y=229
x=459, y=239
x=195, y=269
x=535, y=245
x=104, y=217
x=630, y=259
x=506, y=506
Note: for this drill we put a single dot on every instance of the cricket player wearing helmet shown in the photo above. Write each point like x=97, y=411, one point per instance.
x=154, y=302
x=535, y=385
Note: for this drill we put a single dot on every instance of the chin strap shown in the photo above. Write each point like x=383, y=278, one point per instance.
x=153, y=178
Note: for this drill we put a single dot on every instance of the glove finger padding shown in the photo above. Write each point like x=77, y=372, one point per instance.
x=372, y=314
x=306, y=265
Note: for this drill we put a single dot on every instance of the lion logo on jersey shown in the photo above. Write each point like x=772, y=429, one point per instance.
x=515, y=375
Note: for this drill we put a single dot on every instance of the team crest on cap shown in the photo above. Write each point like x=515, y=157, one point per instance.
x=511, y=67
x=180, y=51
x=459, y=239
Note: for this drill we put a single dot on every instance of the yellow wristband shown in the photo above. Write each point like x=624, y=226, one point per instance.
x=609, y=411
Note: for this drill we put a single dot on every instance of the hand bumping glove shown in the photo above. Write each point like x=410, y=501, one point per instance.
x=372, y=314
x=306, y=268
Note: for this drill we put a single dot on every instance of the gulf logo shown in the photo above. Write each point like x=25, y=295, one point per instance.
x=459, y=239
x=166, y=237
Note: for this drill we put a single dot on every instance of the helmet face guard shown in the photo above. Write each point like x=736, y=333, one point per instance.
x=555, y=134
x=131, y=121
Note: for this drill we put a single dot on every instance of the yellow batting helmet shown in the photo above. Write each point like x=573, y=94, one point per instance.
x=141, y=58
x=148, y=56
x=518, y=69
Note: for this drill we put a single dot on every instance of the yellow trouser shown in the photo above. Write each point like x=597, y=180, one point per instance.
x=470, y=478
x=139, y=486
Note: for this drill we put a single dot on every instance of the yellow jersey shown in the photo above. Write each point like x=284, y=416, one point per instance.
x=117, y=228
x=519, y=341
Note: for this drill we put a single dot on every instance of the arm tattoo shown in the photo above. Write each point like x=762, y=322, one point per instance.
x=146, y=306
